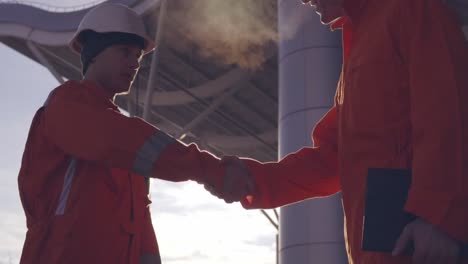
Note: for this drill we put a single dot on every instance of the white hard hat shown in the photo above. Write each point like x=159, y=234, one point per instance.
x=106, y=18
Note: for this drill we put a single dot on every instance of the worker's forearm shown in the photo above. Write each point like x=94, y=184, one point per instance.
x=180, y=162
x=310, y=172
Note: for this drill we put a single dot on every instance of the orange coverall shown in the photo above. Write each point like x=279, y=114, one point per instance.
x=81, y=181
x=401, y=102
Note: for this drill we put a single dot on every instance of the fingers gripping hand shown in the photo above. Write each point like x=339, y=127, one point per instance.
x=238, y=182
x=213, y=191
x=431, y=245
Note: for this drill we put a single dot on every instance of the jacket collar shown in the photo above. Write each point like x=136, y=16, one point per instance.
x=94, y=88
x=353, y=10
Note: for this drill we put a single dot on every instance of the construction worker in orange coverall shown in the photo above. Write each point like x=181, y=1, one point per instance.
x=82, y=180
x=401, y=102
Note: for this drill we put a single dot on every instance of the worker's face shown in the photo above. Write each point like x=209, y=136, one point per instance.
x=117, y=66
x=329, y=10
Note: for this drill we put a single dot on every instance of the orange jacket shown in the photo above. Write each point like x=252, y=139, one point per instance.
x=80, y=183
x=401, y=102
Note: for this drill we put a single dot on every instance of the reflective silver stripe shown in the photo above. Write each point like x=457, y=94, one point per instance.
x=149, y=153
x=67, y=182
x=150, y=258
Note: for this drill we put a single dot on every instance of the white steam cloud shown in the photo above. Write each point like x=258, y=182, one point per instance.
x=239, y=32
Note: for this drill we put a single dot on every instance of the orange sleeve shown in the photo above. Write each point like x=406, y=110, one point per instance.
x=93, y=133
x=435, y=52
x=309, y=172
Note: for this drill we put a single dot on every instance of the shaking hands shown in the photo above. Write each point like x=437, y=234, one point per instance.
x=237, y=181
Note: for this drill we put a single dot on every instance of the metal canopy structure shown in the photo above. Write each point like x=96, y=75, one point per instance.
x=223, y=108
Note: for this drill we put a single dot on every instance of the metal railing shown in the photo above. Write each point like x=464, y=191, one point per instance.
x=53, y=8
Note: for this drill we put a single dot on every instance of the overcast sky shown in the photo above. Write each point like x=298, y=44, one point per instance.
x=191, y=225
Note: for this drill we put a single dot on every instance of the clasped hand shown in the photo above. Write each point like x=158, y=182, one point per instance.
x=237, y=181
